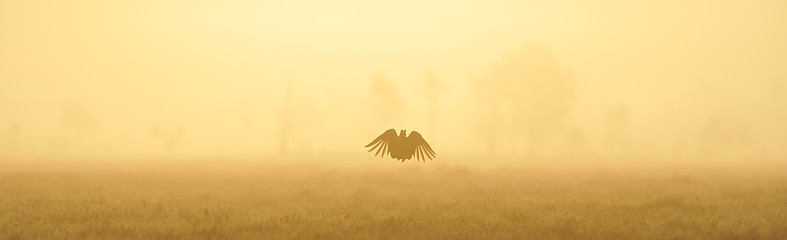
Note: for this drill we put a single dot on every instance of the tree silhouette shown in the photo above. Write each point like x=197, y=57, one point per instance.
x=286, y=118
x=778, y=97
x=80, y=123
x=244, y=126
x=78, y=118
x=538, y=92
x=171, y=137
x=617, y=125
x=386, y=99
x=433, y=90
x=486, y=119
x=14, y=133
x=298, y=114
x=723, y=132
x=577, y=143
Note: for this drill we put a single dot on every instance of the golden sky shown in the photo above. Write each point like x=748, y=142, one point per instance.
x=119, y=78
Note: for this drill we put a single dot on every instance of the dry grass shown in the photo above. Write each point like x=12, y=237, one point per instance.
x=391, y=201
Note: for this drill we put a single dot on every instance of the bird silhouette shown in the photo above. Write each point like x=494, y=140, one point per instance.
x=402, y=147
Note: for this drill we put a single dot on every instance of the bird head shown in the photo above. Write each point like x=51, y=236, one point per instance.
x=402, y=133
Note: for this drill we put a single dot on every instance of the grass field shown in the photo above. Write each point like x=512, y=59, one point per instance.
x=390, y=200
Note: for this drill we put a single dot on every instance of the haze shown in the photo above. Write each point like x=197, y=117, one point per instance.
x=185, y=80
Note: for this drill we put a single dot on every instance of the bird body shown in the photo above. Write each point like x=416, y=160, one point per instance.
x=402, y=147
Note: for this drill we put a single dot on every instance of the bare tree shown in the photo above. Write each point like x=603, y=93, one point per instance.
x=486, y=119
x=78, y=118
x=14, y=133
x=617, y=126
x=80, y=122
x=778, y=96
x=433, y=90
x=721, y=137
x=286, y=118
x=244, y=126
x=386, y=99
x=538, y=90
x=298, y=114
x=577, y=143
x=171, y=136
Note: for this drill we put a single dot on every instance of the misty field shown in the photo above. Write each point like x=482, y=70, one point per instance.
x=390, y=200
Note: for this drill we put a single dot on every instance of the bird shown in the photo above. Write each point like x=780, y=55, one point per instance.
x=402, y=147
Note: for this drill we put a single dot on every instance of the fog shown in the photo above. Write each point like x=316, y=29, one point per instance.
x=522, y=80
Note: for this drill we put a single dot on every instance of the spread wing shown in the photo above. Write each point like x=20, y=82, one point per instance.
x=382, y=142
x=422, y=149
